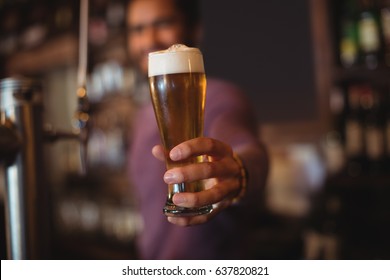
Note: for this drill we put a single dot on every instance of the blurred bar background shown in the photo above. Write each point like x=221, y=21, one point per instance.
x=317, y=71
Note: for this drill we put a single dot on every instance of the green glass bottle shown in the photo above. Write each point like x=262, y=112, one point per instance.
x=369, y=34
x=349, y=45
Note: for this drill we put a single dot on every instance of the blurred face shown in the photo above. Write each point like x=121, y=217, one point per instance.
x=152, y=25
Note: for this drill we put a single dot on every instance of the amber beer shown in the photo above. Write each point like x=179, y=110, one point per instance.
x=178, y=90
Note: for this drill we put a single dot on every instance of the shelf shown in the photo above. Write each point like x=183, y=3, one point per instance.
x=379, y=182
x=359, y=200
x=381, y=75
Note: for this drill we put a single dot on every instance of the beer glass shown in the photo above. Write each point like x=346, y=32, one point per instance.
x=178, y=90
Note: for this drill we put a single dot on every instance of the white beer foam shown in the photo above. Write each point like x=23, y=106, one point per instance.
x=176, y=59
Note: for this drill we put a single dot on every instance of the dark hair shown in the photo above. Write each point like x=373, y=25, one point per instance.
x=189, y=8
x=191, y=11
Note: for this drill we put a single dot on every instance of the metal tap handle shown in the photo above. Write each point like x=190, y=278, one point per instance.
x=10, y=142
x=82, y=117
x=21, y=151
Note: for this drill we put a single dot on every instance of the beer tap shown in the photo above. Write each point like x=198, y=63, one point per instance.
x=10, y=142
x=21, y=138
x=82, y=112
x=82, y=122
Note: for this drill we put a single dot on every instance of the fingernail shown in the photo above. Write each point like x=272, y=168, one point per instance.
x=179, y=199
x=174, y=154
x=170, y=177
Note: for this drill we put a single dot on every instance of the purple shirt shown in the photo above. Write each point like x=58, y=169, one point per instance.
x=229, y=118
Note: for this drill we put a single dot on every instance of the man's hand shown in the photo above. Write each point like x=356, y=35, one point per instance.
x=221, y=169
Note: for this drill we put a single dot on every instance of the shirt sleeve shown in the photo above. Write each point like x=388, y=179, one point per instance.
x=229, y=117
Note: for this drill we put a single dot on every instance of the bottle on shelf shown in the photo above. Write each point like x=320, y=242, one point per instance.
x=354, y=143
x=374, y=129
x=349, y=45
x=369, y=34
x=334, y=138
x=35, y=29
x=337, y=106
x=64, y=17
x=10, y=25
x=387, y=126
x=385, y=23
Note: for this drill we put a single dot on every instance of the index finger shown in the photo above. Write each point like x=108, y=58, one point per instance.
x=200, y=146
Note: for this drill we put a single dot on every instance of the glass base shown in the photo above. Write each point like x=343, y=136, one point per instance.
x=177, y=211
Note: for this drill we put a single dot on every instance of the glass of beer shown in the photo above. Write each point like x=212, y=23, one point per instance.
x=178, y=90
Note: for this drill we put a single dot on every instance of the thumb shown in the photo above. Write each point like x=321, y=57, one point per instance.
x=158, y=152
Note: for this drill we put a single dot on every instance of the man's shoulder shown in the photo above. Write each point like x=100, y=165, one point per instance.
x=220, y=89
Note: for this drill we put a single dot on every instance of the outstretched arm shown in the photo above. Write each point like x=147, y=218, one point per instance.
x=224, y=171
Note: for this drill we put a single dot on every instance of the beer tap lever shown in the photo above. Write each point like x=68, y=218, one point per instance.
x=82, y=121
